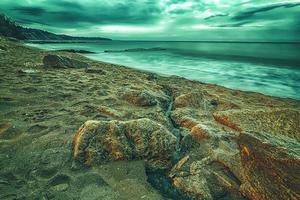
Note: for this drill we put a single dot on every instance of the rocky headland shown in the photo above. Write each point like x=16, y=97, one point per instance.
x=8, y=28
x=75, y=128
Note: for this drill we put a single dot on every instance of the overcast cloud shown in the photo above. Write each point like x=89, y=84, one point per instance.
x=161, y=19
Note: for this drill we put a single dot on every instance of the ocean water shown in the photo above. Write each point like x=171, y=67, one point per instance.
x=269, y=68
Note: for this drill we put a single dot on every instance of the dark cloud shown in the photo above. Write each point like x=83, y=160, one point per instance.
x=163, y=18
x=67, y=4
x=31, y=11
x=238, y=24
x=252, y=11
x=71, y=14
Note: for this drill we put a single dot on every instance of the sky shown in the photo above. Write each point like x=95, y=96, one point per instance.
x=247, y=20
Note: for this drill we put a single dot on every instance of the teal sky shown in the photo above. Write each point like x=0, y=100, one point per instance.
x=161, y=19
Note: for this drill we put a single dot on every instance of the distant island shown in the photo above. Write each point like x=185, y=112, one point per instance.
x=9, y=28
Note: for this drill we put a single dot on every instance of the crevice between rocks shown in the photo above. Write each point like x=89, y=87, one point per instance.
x=159, y=178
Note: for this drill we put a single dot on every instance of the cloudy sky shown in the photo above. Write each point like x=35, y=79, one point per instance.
x=161, y=19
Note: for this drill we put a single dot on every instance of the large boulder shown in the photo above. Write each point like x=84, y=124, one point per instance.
x=278, y=121
x=100, y=141
x=56, y=61
x=211, y=167
x=270, y=166
x=204, y=179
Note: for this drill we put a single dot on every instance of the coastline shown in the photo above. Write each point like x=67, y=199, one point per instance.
x=231, y=72
x=218, y=131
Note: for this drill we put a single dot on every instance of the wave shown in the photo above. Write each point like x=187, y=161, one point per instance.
x=136, y=50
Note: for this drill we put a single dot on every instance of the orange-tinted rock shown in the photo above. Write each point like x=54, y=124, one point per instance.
x=204, y=179
x=139, y=98
x=192, y=99
x=108, y=111
x=274, y=121
x=270, y=167
x=80, y=136
x=183, y=119
x=200, y=132
x=100, y=141
x=224, y=120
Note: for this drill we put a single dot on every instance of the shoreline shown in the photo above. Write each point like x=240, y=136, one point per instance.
x=279, y=64
x=110, y=130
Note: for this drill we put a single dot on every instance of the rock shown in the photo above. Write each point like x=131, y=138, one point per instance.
x=183, y=118
x=270, y=166
x=187, y=142
x=274, y=121
x=224, y=120
x=109, y=112
x=100, y=141
x=200, y=132
x=139, y=98
x=192, y=99
x=56, y=61
x=204, y=179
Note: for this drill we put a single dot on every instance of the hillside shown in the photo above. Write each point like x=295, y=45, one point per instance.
x=8, y=28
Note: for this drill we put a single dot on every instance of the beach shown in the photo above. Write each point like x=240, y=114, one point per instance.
x=107, y=131
x=268, y=68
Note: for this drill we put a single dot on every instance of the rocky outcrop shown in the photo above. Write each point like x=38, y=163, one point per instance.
x=100, y=141
x=56, y=61
x=271, y=166
x=9, y=28
x=275, y=121
x=211, y=166
x=205, y=179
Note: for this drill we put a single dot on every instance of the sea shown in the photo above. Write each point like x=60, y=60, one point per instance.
x=270, y=68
